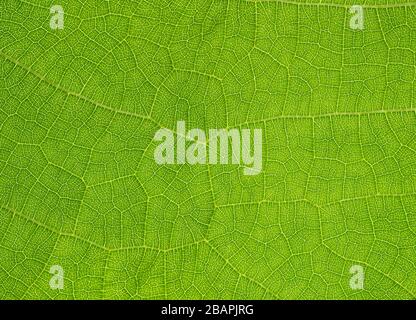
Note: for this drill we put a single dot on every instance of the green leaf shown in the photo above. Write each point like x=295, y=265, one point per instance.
x=80, y=188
